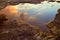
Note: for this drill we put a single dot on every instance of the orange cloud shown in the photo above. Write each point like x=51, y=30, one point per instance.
x=12, y=9
x=9, y=10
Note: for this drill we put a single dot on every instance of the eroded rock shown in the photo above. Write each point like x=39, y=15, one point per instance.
x=54, y=26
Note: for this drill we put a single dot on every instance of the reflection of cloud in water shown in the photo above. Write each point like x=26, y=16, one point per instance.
x=39, y=13
x=12, y=9
x=38, y=9
x=36, y=14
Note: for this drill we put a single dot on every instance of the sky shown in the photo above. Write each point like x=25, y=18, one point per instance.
x=33, y=9
x=36, y=14
x=44, y=9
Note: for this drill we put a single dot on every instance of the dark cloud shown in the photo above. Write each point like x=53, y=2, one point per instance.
x=4, y=3
x=14, y=2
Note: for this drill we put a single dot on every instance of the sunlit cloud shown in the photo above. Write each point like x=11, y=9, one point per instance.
x=12, y=9
x=32, y=9
x=38, y=7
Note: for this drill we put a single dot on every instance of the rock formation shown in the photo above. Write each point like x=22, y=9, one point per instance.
x=13, y=30
x=4, y=3
x=54, y=26
x=10, y=30
x=25, y=31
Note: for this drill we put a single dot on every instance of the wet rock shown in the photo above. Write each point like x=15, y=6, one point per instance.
x=54, y=26
x=23, y=32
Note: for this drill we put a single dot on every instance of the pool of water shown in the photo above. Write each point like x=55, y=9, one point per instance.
x=39, y=14
x=35, y=14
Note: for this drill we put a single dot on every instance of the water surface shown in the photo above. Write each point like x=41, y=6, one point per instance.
x=39, y=14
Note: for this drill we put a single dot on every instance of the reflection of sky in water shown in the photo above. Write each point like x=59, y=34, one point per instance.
x=43, y=13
